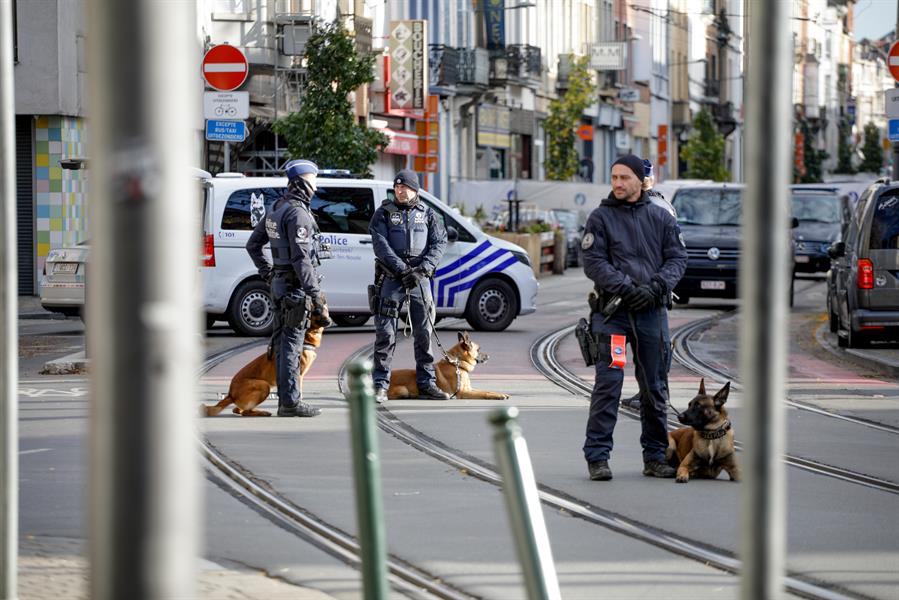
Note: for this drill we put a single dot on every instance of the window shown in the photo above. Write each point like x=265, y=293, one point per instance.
x=885, y=223
x=336, y=210
x=821, y=208
x=708, y=207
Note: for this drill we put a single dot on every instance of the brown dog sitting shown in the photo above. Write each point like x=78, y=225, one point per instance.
x=452, y=380
x=706, y=446
x=252, y=384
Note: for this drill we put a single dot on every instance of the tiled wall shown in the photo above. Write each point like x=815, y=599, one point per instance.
x=60, y=195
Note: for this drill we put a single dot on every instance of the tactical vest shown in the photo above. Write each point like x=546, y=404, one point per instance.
x=407, y=229
x=274, y=226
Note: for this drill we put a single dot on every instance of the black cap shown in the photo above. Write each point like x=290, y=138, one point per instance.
x=632, y=162
x=407, y=177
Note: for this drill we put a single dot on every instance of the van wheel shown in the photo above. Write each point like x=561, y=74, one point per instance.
x=252, y=310
x=492, y=306
x=351, y=320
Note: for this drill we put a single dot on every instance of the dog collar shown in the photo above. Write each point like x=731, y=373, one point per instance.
x=716, y=434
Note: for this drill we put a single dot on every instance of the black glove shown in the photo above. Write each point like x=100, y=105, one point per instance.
x=660, y=291
x=267, y=275
x=640, y=298
x=412, y=277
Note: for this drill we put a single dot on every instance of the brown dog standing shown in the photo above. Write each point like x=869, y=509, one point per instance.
x=706, y=446
x=453, y=381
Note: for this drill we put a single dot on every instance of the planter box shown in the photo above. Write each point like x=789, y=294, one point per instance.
x=542, y=250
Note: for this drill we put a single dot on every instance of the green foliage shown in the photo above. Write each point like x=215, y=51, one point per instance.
x=564, y=117
x=704, y=151
x=813, y=157
x=480, y=215
x=872, y=150
x=536, y=228
x=844, y=149
x=324, y=129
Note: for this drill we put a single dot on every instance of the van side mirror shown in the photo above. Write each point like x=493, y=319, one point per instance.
x=794, y=223
x=837, y=250
x=452, y=234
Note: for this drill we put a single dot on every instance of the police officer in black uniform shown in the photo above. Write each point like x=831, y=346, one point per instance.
x=291, y=230
x=409, y=242
x=633, y=249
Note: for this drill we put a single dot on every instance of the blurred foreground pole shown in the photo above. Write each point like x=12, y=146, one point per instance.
x=764, y=285
x=367, y=482
x=9, y=347
x=143, y=317
x=523, y=506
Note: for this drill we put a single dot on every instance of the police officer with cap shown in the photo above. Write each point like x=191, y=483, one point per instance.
x=290, y=229
x=409, y=242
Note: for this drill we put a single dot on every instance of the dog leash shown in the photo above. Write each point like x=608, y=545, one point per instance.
x=450, y=359
x=630, y=317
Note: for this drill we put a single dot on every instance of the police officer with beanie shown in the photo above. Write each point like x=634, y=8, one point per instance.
x=291, y=230
x=409, y=242
x=633, y=250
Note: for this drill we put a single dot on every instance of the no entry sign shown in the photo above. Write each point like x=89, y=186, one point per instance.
x=225, y=67
x=893, y=60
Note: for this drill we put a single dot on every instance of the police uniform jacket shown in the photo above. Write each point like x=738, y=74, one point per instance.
x=627, y=244
x=405, y=236
x=291, y=230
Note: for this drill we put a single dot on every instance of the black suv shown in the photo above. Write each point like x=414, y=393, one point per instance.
x=863, y=281
x=709, y=217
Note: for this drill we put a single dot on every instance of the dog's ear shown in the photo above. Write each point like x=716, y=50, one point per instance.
x=702, y=387
x=721, y=396
x=466, y=337
x=461, y=336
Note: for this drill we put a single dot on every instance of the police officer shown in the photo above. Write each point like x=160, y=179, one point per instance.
x=291, y=230
x=409, y=242
x=632, y=249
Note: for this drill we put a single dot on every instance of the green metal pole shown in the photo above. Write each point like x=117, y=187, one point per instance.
x=523, y=505
x=367, y=479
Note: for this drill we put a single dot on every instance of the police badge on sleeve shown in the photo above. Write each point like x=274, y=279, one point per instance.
x=587, y=241
x=302, y=235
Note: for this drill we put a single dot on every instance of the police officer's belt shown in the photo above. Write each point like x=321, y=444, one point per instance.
x=283, y=253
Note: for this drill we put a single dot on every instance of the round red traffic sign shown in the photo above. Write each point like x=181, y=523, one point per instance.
x=225, y=67
x=893, y=60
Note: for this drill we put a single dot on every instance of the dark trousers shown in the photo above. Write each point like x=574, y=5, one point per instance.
x=288, y=345
x=386, y=328
x=650, y=351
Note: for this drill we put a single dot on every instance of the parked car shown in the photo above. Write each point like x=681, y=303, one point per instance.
x=819, y=209
x=62, y=282
x=573, y=223
x=863, y=281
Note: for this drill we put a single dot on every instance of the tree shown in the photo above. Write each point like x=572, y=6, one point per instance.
x=844, y=149
x=704, y=151
x=812, y=157
x=872, y=150
x=563, y=120
x=324, y=129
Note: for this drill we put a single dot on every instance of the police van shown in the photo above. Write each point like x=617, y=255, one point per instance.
x=486, y=280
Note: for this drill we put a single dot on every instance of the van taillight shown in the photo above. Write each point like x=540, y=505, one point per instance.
x=208, y=251
x=865, y=274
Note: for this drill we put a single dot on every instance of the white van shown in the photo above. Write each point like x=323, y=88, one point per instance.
x=486, y=280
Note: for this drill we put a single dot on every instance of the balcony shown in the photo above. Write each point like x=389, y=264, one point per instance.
x=444, y=69
x=473, y=69
x=712, y=88
x=520, y=64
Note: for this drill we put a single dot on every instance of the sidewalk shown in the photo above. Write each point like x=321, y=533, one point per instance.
x=30, y=308
x=55, y=568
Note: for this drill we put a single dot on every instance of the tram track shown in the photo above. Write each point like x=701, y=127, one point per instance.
x=543, y=356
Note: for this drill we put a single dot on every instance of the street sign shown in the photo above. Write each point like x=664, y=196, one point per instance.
x=225, y=67
x=408, y=51
x=226, y=105
x=894, y=130
x=225, y=131
x=629, y=95
x=893, y=60
x=608, y=56
x=891, y=101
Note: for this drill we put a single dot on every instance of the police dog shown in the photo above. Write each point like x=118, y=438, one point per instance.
x=467, y=354
x=252, y=384
x=706, y=445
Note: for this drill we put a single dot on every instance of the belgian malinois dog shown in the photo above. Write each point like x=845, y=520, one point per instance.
x=252, y=384
x=456, y=382
x=706, y=445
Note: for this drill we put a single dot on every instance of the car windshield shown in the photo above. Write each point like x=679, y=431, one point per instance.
x=821, y=208
x=708, y=207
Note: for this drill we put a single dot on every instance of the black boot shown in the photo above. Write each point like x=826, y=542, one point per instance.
x=300, y=410
x=657, y=468
x=432, y=392
x=599, y=470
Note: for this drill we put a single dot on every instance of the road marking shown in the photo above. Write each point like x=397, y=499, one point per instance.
x=35, y=451
x=75, y=392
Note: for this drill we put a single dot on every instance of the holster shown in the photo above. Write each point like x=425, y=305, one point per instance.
x=390, y=308
x=374, y=298
x=587, y=341
x=294, y=309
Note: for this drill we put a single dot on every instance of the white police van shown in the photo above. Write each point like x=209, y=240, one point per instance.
x=486, y=280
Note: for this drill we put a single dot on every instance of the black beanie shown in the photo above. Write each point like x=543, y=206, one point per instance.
x=409, y=178
x=632, y=162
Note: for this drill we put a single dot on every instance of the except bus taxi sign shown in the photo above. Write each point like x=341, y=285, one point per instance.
x=225, y=67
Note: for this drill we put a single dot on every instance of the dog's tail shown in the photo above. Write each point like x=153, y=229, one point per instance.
x=211, y=411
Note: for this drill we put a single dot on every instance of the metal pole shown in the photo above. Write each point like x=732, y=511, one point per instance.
x=367, y=480
x=764, y=284
x=9, y=347
x=896, y=144
x=144, y=315
x=523, y=505
x=227, y=166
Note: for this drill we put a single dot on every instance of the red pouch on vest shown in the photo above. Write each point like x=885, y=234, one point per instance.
x=619, y=356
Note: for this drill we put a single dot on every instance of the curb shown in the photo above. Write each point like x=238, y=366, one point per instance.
x=856, y=357
x=44, y=315
x=72, y=364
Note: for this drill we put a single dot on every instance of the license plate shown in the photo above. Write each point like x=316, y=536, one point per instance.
x=65, y=267
x=711, y=285
x=801, y=258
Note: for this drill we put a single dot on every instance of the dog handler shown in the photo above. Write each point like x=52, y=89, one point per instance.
x=409, y=242
x=291, y=230
x=632, y=249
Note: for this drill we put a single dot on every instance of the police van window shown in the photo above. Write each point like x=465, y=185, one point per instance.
x=885, y=223
x=445, y=219
x=247, y=207
x=343, y=210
